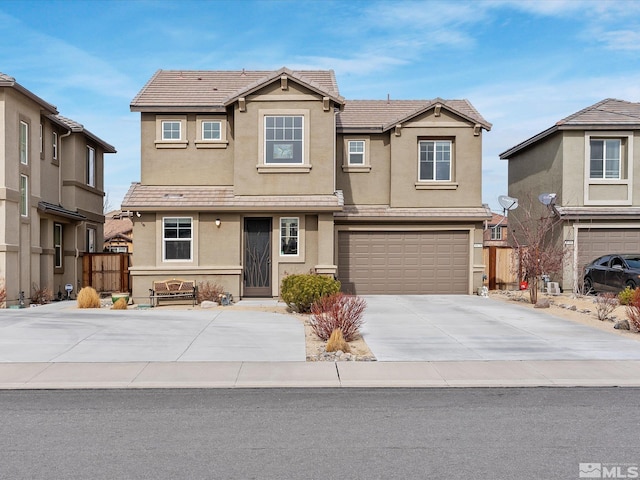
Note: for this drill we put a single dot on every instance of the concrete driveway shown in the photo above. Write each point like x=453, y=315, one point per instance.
x=469, y=327
x=62, y=333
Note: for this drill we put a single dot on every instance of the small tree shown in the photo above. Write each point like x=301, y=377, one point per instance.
x=536, y=246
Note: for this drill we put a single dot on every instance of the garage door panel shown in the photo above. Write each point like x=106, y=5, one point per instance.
x=404, y=262
x=592, y=243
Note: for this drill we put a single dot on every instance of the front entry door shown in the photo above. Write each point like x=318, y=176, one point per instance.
x=257, y=257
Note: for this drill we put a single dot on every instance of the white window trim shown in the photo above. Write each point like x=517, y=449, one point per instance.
x=191, y=241
x=54, y=142
x=24, y=204
x=201, y=142
x=171, y=143
x=91, y=232
x=26, y=141
x=496, y=233
x=91, y=166
x=626, y=165
x=41, y=139
x=356, y=168
x=58, y=226
x=451, y=161
x=282, y=254
x=303, y=167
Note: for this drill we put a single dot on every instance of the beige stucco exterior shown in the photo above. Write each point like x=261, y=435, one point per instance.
x=242, y=186
x=58, y=194
x=558, y=161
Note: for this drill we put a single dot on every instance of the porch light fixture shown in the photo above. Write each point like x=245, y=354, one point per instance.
x=218, y=222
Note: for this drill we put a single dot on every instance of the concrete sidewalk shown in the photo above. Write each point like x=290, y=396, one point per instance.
x=550, y=373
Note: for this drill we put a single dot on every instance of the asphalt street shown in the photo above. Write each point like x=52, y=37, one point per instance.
x=530, y=433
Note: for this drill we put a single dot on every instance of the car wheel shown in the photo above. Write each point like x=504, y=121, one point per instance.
x=631, y=284
x=588, y=285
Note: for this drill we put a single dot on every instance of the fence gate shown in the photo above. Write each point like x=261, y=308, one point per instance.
x=106, y=272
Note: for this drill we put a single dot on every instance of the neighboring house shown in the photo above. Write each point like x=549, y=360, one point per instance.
x=591, y=161
x=51, y=192
x=248, y=176
x=496, y=231
x=118, y=232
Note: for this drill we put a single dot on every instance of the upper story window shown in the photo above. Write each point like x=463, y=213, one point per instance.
x=54, y=142
x=356, y=152
x=284, y=138
x=24, y=195
x=434, y=160
x=289, y=228
x=605, y=158
x=496, y=233
x=177, y=238
x=24, y=143
x=41, y=140
x=211, y=130
x=171, y=130
x=91, y=166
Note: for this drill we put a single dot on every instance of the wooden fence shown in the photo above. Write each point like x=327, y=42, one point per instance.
x=499, y=262
x=106, y=272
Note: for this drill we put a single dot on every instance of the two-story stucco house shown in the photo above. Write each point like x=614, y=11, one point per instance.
x=51, y=193
x=591, y=161
x=250, y=175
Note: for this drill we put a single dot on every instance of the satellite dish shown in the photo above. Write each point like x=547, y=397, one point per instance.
x=508, y=203
x=547, y=198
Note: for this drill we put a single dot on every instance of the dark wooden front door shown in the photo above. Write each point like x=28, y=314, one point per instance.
x=257, y=257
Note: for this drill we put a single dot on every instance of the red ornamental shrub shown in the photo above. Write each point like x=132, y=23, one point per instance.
x=338, y=311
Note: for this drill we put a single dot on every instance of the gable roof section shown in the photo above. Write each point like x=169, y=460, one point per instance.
x=382, y=115
x=76, y=127
x=213, y=90
x=609, y=113
x=8, y=81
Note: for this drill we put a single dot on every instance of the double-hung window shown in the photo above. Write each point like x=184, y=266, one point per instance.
x=356, y=152
x=283, y=136
x=91, y=240
x=24, y=195
x=57, y=244
x=496, y=233
x=177, y=238
x=91, y=166
x=434, y=160
x=289, y=236
x=171, y=130
x=605, y=158
x=24, y=143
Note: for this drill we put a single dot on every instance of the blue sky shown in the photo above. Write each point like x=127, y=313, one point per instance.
x=524, y=65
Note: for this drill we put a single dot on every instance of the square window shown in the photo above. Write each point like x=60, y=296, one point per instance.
x=283, y=139
x=177, y=238
x=434, y=160
x=171, y=130
x=289, y=236
x=211, y=130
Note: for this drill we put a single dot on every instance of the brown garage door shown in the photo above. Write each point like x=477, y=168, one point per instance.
x=595, y=242
x=404, y=262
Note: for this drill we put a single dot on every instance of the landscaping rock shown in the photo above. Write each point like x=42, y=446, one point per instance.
x=622, y=325
x=544, y=303
x=208, y=304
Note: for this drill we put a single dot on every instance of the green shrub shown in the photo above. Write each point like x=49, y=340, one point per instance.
x=626, y=296
x=299, y=292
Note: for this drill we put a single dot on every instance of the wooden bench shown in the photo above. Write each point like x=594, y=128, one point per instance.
x=174, y=289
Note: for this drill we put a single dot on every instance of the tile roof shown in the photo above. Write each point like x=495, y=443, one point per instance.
x=165, y=197
x=385, y=114
x=608, y=113
x=116, y=224
x=629, y=213
x=215, y=88
x=380, y=212
x=79, y=128
x=9, y=81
